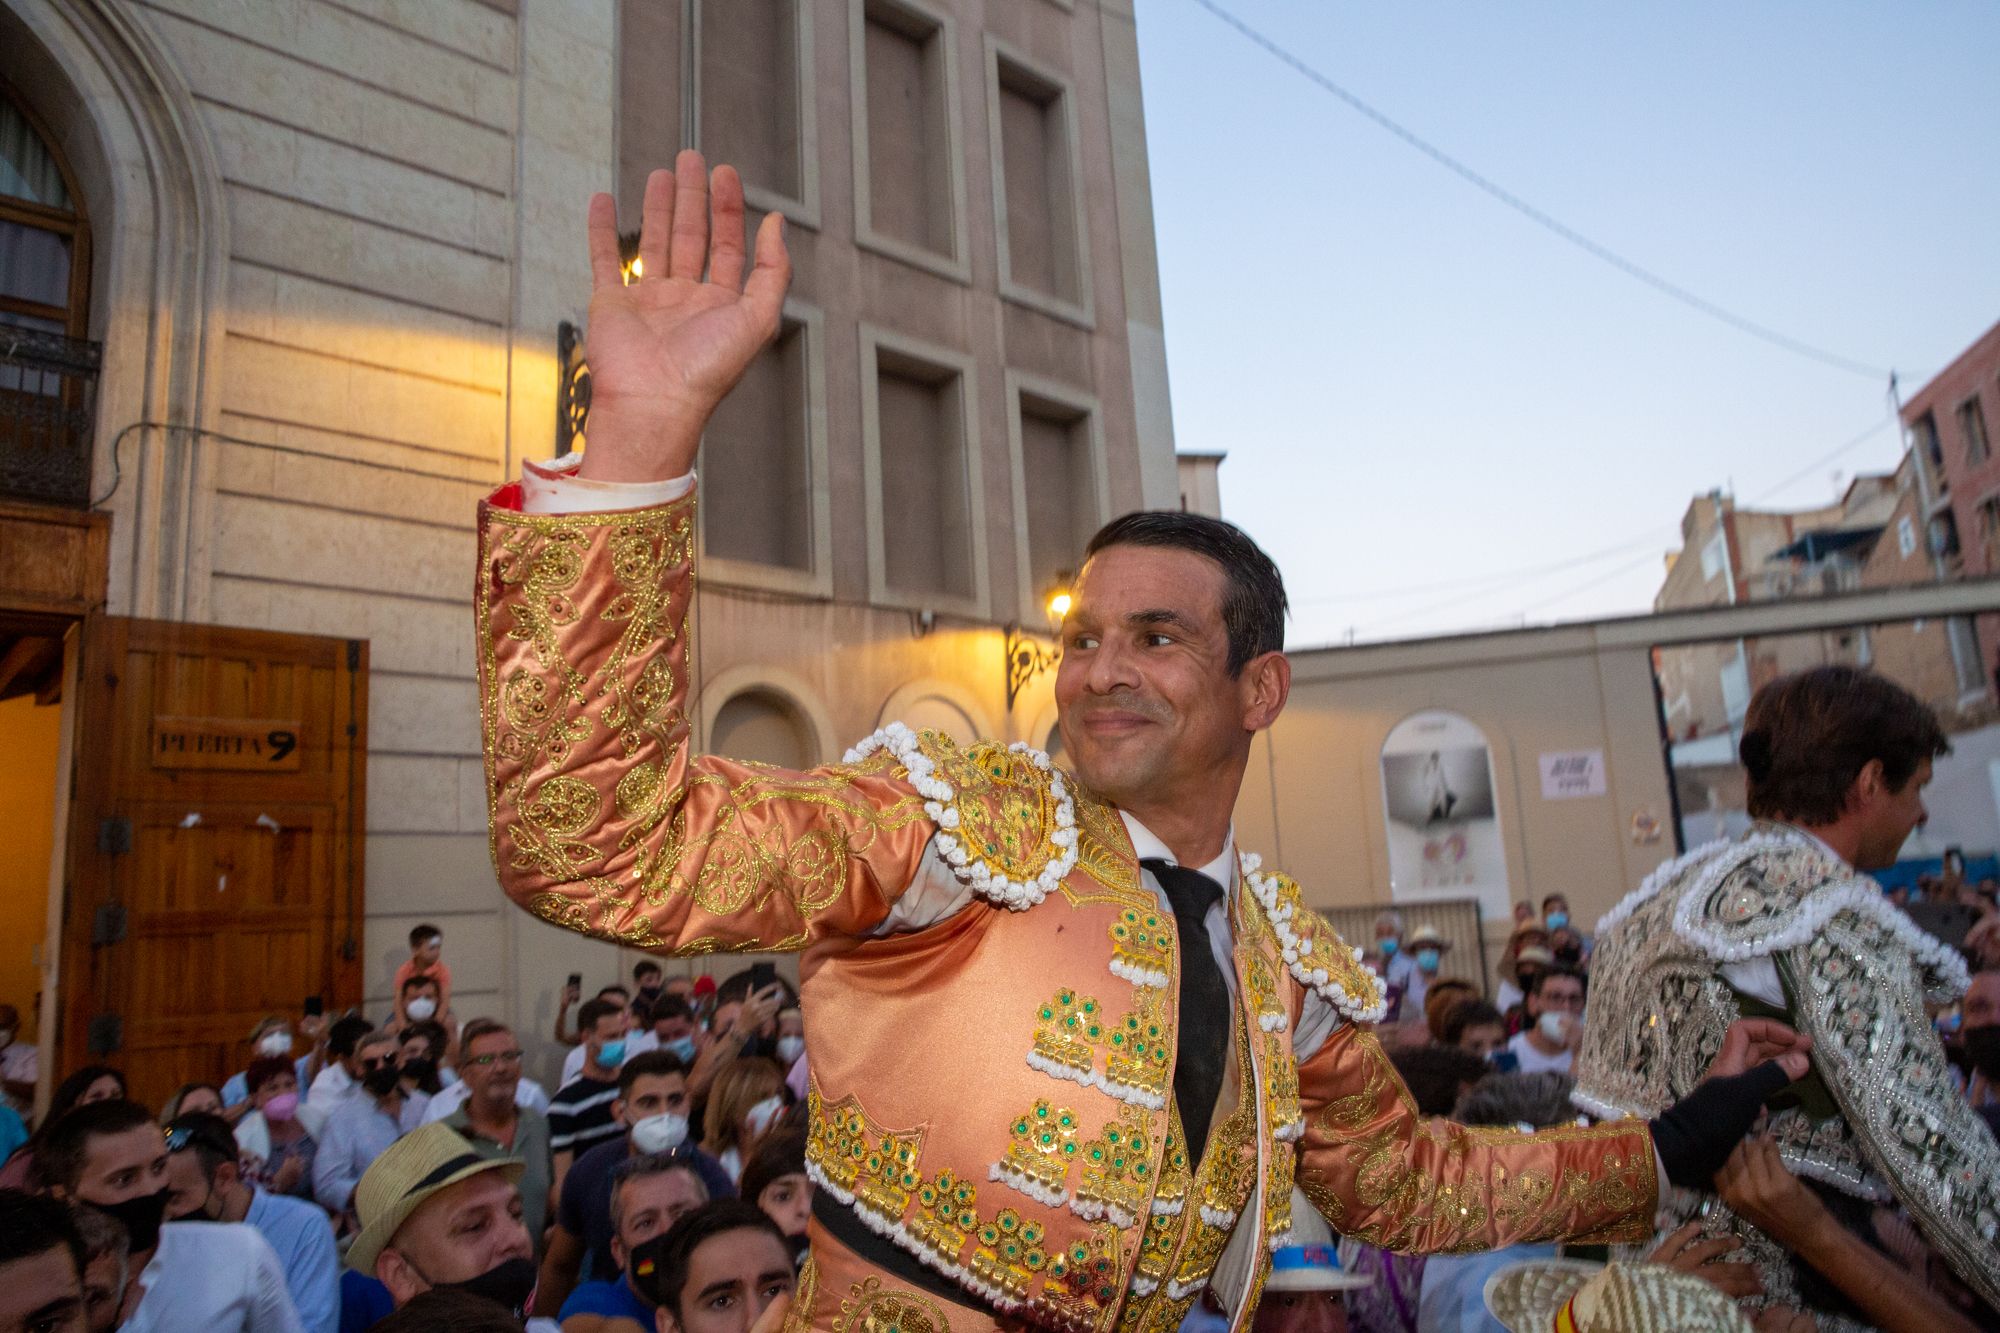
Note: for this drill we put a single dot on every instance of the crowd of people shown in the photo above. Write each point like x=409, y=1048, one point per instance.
x=356, y=1174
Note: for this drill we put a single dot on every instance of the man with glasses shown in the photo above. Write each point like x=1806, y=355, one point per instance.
x=489, y=1064
x=364, y=1127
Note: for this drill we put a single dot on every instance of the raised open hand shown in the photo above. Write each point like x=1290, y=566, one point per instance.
x=666, y=348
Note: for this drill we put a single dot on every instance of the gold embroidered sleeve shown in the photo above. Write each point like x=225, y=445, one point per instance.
x=1379, y=1170
x=600, y=819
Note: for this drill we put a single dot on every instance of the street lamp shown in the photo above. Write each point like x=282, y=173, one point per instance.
x=1026, y=655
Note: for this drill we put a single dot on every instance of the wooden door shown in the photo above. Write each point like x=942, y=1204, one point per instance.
x=215, y=854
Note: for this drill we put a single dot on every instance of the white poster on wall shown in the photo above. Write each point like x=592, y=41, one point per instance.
x=1443, y=821
x=1572, y=775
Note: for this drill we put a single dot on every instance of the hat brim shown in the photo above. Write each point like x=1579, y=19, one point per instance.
x=1525, y=1297
x=1306, y=1279
x=374, y=1237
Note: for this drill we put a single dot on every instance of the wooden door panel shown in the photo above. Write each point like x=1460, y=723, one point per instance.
x=219, y=801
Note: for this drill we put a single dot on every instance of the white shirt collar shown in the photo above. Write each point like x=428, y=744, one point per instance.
x=1147, y=846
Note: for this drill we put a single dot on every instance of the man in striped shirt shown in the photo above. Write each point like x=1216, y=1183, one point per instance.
x=580, y=1113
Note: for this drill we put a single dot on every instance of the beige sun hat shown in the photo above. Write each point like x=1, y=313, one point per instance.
x=414, y=1168
x=1423, y=935
x=1568, y=1296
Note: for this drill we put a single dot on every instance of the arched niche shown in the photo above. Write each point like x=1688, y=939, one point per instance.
x=116, y=107
x=766, y=715
x=1442, y=814
x=940, y=706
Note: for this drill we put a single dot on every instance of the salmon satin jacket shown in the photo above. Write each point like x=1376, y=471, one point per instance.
x=993, y=1093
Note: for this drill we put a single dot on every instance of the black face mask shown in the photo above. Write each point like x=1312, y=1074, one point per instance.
x=1982, y=1050
x=419, y=1071
x=510, y=1286
x=141, y=1217
x=642, y=1268
x=650, y=991
x=381, y=1082
x=1569, y=953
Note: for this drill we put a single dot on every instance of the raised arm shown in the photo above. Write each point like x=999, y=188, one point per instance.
x=602, y=820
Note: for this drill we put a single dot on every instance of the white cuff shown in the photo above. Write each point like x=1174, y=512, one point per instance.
x=554, y=488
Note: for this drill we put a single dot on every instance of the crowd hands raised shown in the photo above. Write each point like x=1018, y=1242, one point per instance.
x=407, y=1174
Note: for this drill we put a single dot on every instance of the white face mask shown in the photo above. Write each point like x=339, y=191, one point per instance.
x=1554, y=1025
x=275, y=1044
x=660, y=1133
x=760, y=1116
x=790, y=1049
x=421, y=1008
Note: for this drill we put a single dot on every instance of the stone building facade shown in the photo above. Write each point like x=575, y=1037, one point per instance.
x=331, y=246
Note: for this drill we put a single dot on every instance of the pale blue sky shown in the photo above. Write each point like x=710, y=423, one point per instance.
x=1420, y=389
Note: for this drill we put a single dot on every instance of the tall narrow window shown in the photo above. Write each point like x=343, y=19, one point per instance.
x=1055, y=434
x=926, y=547
x=757, y=462
x=755, y=105
x=1034, y=147
x=908, y=180
x=1972, y=425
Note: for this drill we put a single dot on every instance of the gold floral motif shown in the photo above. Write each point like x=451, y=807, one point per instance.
x=1003, y=807
x=1073, y=1031
x=1142, y=946
x=1104, y=853
x=1044, y=1143
x=859, y=1161
x=1010, y=1257
x=1117, y=1176
x=946, y=1217
x=871, y=1307
x=799, y=1317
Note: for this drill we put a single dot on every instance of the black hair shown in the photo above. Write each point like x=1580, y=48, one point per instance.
x=648, y=1064
x=32, y=1224
x=60, y=1157
x=1435, y=1075
x=780, y=1153
x=419, y=980
x=660, y=1266
x=70, y=1091
x=208, y=1137
x=593, y=1011
x=645, y=965
x=671, y=1006
x=346, y=1034
x=1471, y=1014
x=1807, y=737
x=1540, y=1100
x=1548, y=974
x=422, y=935
x=1253, y=603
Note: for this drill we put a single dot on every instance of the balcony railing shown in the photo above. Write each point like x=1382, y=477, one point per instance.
x=48, y=387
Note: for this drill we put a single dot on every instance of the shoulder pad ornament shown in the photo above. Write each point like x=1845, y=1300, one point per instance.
x=1006, y=821
x=1771, y=892
x=1314, y=952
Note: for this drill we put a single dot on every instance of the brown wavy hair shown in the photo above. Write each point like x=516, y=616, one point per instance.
x=1807, y=737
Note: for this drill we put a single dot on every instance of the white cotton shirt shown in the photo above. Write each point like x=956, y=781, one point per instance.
x=216, y=1277
x=1534, y=1062
x=528, y=1094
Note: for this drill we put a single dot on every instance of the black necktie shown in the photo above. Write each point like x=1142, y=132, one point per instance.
x=1204, y=1007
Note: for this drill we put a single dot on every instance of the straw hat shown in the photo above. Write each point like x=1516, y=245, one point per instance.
x=1536, y=954
x=414, y=1168
x=1309, y=1263
x=1427, y=935
x=1566, y=1296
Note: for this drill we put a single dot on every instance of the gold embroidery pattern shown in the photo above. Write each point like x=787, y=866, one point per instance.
x=871, y=1307
x=1038, y=1159
x=1142, y=946
x=874, y=1170
x=1406, y=1201
x=1137, y=1049
x=800, y=1317
x=1117, y=1171
x=1104, y=850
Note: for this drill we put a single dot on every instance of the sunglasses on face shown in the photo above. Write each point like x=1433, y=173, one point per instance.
x=374, y=1062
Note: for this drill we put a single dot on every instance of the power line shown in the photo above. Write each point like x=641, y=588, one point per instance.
x=1631, y=269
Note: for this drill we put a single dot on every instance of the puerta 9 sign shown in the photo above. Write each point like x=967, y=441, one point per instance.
x=269, y=745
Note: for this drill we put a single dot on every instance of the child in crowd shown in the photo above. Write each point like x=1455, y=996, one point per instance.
x=426, y=960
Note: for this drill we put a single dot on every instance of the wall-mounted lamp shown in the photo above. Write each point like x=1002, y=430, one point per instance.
x=630, y=266
x=1027, y=656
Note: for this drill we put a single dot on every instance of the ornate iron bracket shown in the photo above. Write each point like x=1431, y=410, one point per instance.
x=1027, y=657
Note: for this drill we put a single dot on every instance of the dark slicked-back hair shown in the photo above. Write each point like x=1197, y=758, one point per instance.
x=1253, y=602
x=1807, y=737
x=32, y=1224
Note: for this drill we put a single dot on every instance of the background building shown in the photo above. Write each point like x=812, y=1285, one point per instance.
x=1950, y=423
x=299, y=268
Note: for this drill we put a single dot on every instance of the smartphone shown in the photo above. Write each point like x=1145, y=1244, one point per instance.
x=576, y=981
x=763, y=976
x=315, y=1005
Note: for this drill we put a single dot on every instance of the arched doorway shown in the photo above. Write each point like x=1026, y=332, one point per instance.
x=762, y=724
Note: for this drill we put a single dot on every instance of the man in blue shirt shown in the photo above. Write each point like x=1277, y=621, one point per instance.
x=648, y=1195
x=364, y=1127
x=652, y=1106
x=204, y=1184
